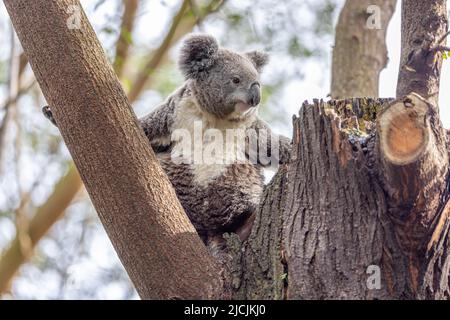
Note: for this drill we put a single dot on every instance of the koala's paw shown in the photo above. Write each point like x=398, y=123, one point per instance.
x=48, y=114
x=244, y=230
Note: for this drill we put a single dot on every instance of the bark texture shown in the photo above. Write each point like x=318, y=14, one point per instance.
x=360, y=53
x=327, y=224
x=153, y=237
x=367, y=187
x=258, y=268
x=413, y=167
x=49, y=218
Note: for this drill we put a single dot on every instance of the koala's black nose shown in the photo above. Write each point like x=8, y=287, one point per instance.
x=255, y=95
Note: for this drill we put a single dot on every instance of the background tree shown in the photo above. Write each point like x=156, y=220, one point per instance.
x=360, y=51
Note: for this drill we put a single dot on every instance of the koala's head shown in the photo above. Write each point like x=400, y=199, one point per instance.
x=225, y=83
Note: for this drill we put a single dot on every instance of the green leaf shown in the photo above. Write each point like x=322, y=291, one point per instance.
x=235, y=19
x=108, y=30
x=297, y=49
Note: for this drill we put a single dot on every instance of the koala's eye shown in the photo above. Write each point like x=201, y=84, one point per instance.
x=236, y=80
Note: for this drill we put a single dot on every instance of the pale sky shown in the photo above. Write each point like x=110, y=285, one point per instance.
x=316, y=83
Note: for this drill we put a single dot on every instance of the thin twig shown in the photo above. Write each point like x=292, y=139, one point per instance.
x=156, y=57
x=440, y=48
x=23, y=89
x=194, y=7
x=13, y=86
x=442, y=39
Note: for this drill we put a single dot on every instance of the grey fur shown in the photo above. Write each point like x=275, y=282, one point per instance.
x=209, y=70
x=258, y=58
x=221, y=204
x=198, y=55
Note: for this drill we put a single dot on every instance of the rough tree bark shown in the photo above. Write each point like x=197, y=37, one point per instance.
x=366, y=190
x=327, y=219
x=153, y=237
x=424, y=26
x=360, y=53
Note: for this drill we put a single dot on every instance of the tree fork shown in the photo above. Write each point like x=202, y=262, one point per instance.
x=152, y=235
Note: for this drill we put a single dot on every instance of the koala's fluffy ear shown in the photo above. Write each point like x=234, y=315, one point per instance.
x=197, y=55
x=258, y=58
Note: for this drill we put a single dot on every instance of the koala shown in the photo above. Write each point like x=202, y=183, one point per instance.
x=220, y=95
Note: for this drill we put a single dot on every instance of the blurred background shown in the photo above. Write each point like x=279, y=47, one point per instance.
x=49, y=230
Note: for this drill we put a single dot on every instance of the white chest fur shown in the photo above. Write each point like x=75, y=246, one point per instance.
x=208, y=144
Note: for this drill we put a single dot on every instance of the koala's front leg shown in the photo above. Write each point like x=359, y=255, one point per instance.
x=48, y=114
x=264, y=133
x=157, y=125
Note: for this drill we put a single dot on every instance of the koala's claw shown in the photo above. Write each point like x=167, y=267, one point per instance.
x=48, y=114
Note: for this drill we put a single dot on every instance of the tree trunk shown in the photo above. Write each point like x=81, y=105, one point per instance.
x=67, y=189
x=328, y=226
x=424, y=24
x=153, y=237
x=360, y=53
x=361, y=211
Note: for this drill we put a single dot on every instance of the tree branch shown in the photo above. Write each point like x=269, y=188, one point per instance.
x=414, y=165
x=13, y=89
x=412, y=141
x=424, y=26
x=360, y=53
x=22, y=90
x=439, y=48
x=63, y=187
x=41, y=222
x=135, y=201
x=412, y=144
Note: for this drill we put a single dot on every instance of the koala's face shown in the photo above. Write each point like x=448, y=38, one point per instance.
x=225, y=83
